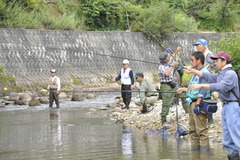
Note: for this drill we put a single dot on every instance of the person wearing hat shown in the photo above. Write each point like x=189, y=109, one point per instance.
x=198, y=129
x=127, y=80
x=54, y=87
x=165, y=72
x=226, y=83
x=202, y=46
x=147, y=93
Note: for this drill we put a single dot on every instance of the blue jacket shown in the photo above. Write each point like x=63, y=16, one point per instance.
x=224, y=82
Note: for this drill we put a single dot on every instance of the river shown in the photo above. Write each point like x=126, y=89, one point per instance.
x=79, y=130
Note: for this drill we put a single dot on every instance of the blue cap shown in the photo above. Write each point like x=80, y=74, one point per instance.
x=168, y=50
x=201, y=41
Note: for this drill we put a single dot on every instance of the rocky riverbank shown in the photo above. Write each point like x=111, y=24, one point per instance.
x=151, y=121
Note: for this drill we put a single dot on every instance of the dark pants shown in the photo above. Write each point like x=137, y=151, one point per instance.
x=53, y=96
x=126, y=95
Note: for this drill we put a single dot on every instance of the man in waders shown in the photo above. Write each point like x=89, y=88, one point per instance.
x=54, y=86
x=127, y=80
x=202, y=46
x=226, y=83
x=147, y=93
x=165, y=72
x=198, y=129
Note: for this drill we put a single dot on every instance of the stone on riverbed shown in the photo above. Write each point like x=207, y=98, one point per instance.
x=34, y=102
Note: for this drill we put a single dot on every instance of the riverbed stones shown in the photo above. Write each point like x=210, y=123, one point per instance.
x=26, y=97
x=90, y=96
x=14, y=96
x=43, y=92
x=77, y=94
x=63, y=95
x=44, y=100
x=34, y=102
x=152, y=120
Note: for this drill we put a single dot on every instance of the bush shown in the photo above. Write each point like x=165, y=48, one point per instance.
x=231, y=46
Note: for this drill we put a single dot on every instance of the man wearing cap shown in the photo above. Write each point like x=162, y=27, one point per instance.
x=202, y=46
x=54, y=86
x=198, y=129
x=127, y=80
x=226, y=83
x=147, y=93
x=165, y=72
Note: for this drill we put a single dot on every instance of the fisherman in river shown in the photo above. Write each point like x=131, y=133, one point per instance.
x=147, y=93
x=127, y=80
x=198, y=129
x=201, y=45
x=165, y=72
x=54, y=86
x=226, y=83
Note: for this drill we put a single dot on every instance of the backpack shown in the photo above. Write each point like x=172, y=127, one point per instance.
x=238, y=75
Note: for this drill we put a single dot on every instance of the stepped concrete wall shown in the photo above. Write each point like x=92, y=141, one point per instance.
x=91, y=58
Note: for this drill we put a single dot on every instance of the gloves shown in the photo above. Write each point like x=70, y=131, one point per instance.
x=199, y=109
x=196, y=110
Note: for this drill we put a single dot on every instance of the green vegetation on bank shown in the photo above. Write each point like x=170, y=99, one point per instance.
x=161, y=17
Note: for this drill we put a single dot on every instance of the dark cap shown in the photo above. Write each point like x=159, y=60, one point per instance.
x=223, y=55
x=53, y=71
x=138, y=74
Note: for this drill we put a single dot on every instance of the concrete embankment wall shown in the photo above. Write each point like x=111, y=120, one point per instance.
x=80, y=56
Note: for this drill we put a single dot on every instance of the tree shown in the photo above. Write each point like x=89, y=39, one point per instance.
x=231, y=46
x=101, y=14
x=158, y=19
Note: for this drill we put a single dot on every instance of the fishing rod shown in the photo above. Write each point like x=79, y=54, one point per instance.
x=108, y=91
x=31, y=81
x=134, y=16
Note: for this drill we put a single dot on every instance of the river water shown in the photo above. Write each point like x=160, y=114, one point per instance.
x=79, y=130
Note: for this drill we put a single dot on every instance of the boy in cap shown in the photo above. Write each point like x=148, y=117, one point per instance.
x=127, y=80
x=226, y=83
x=54, y=87
x=148, y=94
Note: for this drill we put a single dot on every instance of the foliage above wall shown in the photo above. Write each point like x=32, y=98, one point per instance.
x=162, y=17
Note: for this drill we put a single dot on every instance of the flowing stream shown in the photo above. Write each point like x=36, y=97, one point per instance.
x=79, y=130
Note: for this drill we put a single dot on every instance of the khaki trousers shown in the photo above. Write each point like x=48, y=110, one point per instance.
x=148, y=100
x=198, y=129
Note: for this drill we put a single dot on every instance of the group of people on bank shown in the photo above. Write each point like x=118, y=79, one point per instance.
x=201, y=85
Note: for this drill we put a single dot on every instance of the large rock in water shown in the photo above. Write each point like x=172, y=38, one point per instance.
x=34, y=102
x=26, y=97
x=63, y=95
x=14, y=96
x=43, y=92
x=77, y=94
x=44, y=100
x=90, y=96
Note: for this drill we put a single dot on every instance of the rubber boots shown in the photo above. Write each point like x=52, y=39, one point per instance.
x=234, y=156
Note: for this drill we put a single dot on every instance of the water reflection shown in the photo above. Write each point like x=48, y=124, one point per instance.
x=127, y=148
x=55, y=127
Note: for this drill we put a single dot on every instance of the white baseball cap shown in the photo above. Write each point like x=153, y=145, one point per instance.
x=53, y=71
x=125, y=61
